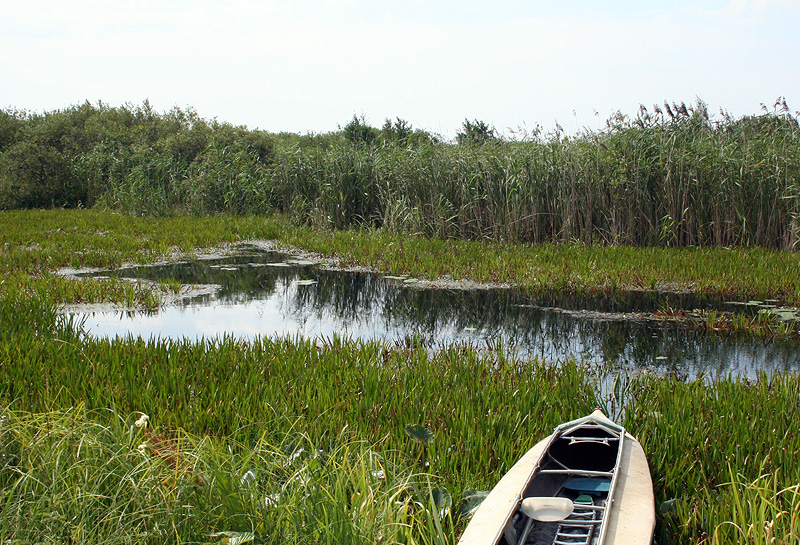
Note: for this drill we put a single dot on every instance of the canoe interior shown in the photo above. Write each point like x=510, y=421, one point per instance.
x=581, y=464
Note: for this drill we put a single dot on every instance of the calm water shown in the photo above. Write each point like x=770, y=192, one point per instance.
x=269, y=294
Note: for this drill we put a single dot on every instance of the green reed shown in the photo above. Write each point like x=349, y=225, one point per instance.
x=683, y=179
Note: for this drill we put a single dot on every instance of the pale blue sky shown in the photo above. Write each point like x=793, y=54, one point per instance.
x=309, y=65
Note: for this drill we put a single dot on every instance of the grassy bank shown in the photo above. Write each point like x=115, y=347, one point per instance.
x=315, y=424
x=297, y=442
x=38, y=242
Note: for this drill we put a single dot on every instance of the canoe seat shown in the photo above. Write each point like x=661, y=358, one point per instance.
x=547, y=508
x=543, y=509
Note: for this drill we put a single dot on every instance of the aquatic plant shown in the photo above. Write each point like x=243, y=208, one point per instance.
x=722, y=449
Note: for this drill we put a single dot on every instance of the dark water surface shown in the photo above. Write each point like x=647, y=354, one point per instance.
x=270, y=294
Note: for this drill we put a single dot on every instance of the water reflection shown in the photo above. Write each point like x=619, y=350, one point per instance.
x=268, y=294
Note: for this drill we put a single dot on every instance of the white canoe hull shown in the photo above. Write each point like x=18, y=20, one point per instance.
x=631, y=511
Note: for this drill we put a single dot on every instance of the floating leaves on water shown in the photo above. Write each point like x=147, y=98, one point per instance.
x=234, y=538
x=305, y=282
x=783, y=314
x=667, y=506
x=419, y=432
x=442, y=500
x=470, y=502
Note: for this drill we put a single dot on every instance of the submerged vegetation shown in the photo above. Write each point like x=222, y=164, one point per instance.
x=671, y=176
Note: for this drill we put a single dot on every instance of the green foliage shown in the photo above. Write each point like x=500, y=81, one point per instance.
x=671, y=177
x=294, y=440
x=359, y=132
x=476, y=132
x=35, y=174
x=78, y=476
x=12, y=123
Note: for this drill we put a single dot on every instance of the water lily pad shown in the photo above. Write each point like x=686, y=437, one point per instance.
x=470, y=502
x=419, y=432
x=442, y=500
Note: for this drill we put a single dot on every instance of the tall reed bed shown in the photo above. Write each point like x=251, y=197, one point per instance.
x=687, y=181
x=683, y=179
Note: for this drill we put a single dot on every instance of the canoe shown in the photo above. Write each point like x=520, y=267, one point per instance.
x=588, y=483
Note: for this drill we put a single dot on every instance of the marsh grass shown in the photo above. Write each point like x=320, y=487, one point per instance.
x=36, y=243
x=722, y=450
x=672, y=177
x=77, y=476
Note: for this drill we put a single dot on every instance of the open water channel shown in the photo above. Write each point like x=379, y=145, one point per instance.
x=269, y=294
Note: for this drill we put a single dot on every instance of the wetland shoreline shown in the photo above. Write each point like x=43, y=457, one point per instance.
x=303, y=418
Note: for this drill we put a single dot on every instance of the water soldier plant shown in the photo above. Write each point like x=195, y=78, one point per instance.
x=293, y=440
